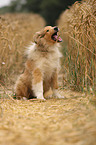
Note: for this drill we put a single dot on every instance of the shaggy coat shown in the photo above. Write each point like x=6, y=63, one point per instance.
x=42, y=65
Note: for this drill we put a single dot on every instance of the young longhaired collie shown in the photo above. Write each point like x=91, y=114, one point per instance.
x=42, y=66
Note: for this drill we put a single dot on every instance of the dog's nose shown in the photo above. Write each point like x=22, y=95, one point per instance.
x=56, y=28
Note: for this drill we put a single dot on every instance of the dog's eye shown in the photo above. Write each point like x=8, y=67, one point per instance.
x=47, y=31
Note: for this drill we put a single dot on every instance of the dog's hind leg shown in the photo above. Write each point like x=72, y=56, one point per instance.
x=47, y=88
x=54, y=85
x=20, y=90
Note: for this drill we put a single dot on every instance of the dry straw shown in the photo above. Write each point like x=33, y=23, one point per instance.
x=16, y=32
x=78, y=27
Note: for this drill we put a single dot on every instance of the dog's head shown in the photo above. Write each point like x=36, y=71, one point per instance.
x=48, y=35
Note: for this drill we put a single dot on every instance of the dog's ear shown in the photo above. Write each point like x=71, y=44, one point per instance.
x=38, y=35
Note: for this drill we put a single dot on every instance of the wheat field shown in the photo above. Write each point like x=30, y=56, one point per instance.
x=68, y=121
x=16, y=33
x=78, y=29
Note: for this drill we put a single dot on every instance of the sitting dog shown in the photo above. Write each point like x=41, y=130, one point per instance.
x=42, y=65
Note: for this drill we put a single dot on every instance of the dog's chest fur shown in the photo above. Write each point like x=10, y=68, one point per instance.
x=46, y=61
x=47, y=64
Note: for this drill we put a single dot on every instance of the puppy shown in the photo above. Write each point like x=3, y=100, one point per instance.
x=42, y=65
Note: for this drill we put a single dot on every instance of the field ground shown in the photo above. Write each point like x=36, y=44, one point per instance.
x=69, y=121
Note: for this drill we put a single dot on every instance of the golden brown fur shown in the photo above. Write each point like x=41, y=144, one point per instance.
x=42, y=65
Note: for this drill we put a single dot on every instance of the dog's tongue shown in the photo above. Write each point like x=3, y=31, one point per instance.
x=55, y=36
x=58, y=39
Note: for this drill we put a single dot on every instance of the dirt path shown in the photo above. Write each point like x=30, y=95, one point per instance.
x=69, y=121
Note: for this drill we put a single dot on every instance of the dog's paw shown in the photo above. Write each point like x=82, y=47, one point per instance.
x=48, y=94
x=57, y=94
x=41, y=98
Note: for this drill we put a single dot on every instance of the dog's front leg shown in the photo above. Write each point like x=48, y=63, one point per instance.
x=37, y=83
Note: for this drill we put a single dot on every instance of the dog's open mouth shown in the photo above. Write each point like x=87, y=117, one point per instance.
x=55, y=37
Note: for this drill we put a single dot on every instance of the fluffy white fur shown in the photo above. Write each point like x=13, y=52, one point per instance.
x=38, y=90
x=46, y=62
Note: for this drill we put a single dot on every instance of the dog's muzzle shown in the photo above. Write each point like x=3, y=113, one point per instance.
x=55, y=36
x=56, y=28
